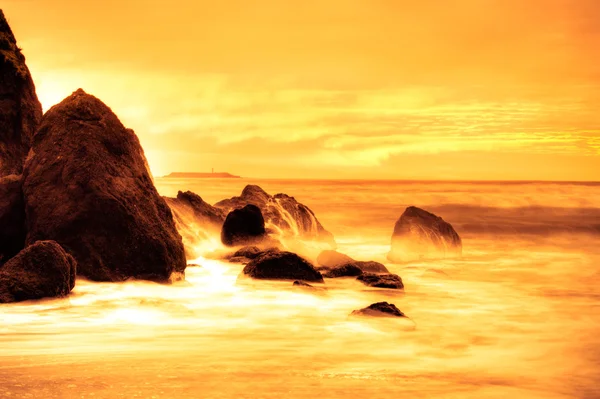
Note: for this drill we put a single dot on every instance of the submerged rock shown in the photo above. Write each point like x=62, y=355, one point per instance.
x=331, y=258
x=347, y=270
x=370, y=266
x=20, y=110
x=41, y=270
x=392, y=281
x=243, y=226
x=379, y=309
x=12, y=217
x=281, y=212
x=302, y=284
x=249, y=252
x=420, y=234
x=88, y=187
x=281, y=265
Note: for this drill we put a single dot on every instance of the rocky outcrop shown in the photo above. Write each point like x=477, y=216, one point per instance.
x=88, y=187
x=41, y=270
x=392, y=281
x=347, y=270
x=20, y=110
x=243, y=226
x=281, y=212
x=281, y=265
x=379, y=309
x=12, y=217
x=195, y=219
x=420, y=234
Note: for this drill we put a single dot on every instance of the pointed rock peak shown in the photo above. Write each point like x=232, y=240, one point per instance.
x=84, y=107
x=10, y=54
x=413, y=211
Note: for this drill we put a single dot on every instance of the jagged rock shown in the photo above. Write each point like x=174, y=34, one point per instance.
x=347, y=270
x=88, y=187
x=331, y=258
x=281, y=212
x=281, y=265
x=195, y=219
x=243, y=226
x=12, y=217
x=420, y=234
x=20, y=110
x=392, y=281
x=379, y=309
x=41, y=270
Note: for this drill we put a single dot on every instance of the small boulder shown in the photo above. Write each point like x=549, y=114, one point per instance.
x=249, y=252
x=243, y=226
x=421, y=234
x=41, y=270
x=302, y=284
x=12, y=217
x=331, y=258
x=347, y=270
x=282, y=265
x=392, y=281
x=370, y=266
x=379, y=309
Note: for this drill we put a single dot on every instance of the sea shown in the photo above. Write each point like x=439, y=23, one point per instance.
x=518, y=315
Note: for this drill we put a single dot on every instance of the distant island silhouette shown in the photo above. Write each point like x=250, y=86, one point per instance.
x=198, y=175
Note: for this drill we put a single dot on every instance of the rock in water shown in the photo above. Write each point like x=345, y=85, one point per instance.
x=243, y=226
x=331, y=258
x=20, y=110
x=370, y=266
x=392, y=281
x=379, y=309
x=41, y=270
x=282, y=212
x=347, y=270
x=420, y=234
x=281, y=265
x=88, y=187
x=12, y=217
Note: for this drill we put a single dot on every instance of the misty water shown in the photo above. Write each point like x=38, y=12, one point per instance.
x=518, y=314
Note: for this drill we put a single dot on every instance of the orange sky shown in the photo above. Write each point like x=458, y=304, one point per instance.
x=457, y=89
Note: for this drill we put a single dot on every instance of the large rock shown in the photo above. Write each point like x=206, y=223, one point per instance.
x=41, y=270
x=420, y=234
x=20, y=110
x=243, y=226
x=281, y=265
x=392, y=281
x=195, y=219
x=379, y=309
x=12, y=217
x=281, y=212
x=88, y=187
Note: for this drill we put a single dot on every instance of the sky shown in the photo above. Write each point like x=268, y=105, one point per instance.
x=369, y=89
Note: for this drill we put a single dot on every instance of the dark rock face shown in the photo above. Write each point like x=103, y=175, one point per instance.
x=41, y=270
x=20, y=110
x=243, y=226
x=195, y=219
x=331, y=258
x=392, y=281
x=87, y=186
x=419, y=234
x=281, y=265
x=282, y=212
x=12, y=217
x=347, y=270
x=379, y=309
